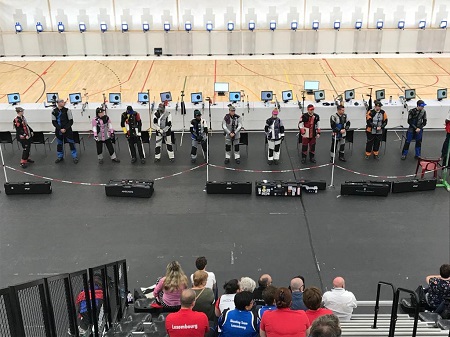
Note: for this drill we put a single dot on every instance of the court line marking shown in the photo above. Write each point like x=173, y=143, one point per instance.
x=148, y=74
x=39, y=77
x=61, y=77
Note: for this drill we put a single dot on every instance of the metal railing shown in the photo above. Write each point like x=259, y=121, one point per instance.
x=66, y=303
x=416, y=310
x=393, y=310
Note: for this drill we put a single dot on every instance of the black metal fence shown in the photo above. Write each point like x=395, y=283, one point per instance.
x=84, y=303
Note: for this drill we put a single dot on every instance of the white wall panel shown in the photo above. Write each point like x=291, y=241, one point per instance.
x=447, y=44
x=345, y=41
x=155, y=40
x=326, y=12
x=76, y=43
x=155, y=12
x=139, y=44
x=200, y=41
x=90, y=12
x=13, y=45
x=391, y=11
x=282, y=11
x=93, y=43
x=198, y=12
x=408, y=41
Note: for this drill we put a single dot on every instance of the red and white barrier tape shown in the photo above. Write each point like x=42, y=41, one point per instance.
x=96, y=184
x=268, y=171
x=383, y=177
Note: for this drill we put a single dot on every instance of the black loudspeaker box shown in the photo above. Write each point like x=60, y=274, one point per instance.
x=366, y=188
x=228, y=187
x=130, y=188
x=414, y=185
x=34, y=187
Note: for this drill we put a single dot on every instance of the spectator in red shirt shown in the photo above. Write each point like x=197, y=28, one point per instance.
x=283, y=321
x=187, y=323
x=312, y=297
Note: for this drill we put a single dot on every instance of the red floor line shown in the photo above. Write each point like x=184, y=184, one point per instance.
x=215, y=77
x=43, y=73
x=432, y=60
x=266, y=76
x=132, y=71
x=148, y=74
x=332, y=71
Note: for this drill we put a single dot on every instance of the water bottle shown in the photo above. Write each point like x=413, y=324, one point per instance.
x=390, y=99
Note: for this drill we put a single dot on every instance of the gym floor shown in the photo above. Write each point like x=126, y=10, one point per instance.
x=400, y=238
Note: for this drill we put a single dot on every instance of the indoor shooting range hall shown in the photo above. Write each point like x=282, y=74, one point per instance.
x=290, y=137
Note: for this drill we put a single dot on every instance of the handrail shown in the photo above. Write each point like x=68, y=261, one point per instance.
x=416, y=311
x=393, y=309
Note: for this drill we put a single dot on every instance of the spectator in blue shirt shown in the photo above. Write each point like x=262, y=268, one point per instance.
x=242, y=321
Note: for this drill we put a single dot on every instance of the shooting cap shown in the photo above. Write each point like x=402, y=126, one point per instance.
x=197, y=113
x=310, y=107
x=19, y=109
x=129, y=108
x=275, y=112
x=378, y=103
x=421, y=103
x=231, y=108
x=99, y=110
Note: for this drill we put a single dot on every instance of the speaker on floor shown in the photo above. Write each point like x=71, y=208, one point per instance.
x=130, y=188
x=278, y=188
x=414, y=185
x=228, y=187
x=366, y=188
x=31, y=187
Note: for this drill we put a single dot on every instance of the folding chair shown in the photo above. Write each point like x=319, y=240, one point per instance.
x=6, y=137
x=115, y=141
x=384, y=139
x=349, y=139
x=243, y=140
x=428, y=165
x=77, y=139
x=39, y=138
x=145, y=139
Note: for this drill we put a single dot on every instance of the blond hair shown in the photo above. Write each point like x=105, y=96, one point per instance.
x=200, y=278
x=175, y=277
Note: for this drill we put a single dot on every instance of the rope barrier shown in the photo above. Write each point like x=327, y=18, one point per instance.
x=268, y=171
x=97, y=184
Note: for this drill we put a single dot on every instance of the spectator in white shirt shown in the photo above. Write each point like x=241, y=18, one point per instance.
x=339, y=300
x=200, y=263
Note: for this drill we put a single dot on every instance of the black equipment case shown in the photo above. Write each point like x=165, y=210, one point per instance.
x=278, y=188
x=414, y=185
x=228, y=187
x=31, y=187
x=130, y=188
x=366, y=188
